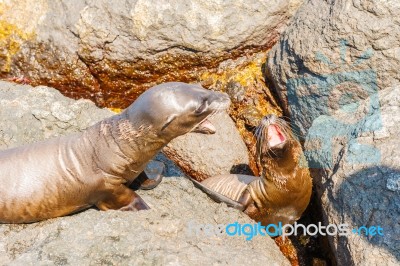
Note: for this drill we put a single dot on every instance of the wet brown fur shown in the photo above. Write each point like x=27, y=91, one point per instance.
x=284, y=189
x=282, y=192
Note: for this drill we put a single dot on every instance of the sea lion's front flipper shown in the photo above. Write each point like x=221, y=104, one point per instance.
x=150, y=177
x=122, y=198
x=136, y=204
x=230, y=189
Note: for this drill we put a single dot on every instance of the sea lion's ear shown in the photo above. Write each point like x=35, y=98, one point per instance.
x=169, y=120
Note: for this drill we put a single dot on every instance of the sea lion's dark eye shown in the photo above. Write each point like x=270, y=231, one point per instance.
x=202, y=107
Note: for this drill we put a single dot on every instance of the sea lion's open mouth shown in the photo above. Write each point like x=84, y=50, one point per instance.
x=275, y=136
x=205, y=127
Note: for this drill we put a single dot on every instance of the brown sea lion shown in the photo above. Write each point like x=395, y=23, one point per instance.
x=283, y=191
x=64, y=175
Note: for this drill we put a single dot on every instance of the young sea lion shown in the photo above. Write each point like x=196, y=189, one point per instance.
x=60, y=176
x=283, y=191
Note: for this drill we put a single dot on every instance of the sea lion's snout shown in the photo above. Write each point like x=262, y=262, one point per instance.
x=223, y=99
x=270, y=118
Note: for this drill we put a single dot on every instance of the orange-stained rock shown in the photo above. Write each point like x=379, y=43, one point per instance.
x=111, y=53
x=251, y=99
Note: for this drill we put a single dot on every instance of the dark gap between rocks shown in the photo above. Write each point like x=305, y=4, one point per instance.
x=314, y=250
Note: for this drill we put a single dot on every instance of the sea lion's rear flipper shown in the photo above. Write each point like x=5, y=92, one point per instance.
x=230, y=189
x=150, y=177
x=218, y=197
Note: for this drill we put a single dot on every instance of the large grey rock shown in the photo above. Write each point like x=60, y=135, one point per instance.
x=330, y=46
x=164, y=235
x=28, y=114
x=359, y=179
x=202, y=156
x=328, y=68
x=112, y=51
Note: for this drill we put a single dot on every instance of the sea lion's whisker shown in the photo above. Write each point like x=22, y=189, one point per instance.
x=291, y=128
x=260, y=141
x=273, y=152
x=285, y=129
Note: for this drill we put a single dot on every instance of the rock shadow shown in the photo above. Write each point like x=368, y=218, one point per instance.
x=371, y=197
x=242, y=169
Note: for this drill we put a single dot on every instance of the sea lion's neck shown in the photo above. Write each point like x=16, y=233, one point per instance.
x=284, y=160
x=278, y=171
x=136, y=136
x=131, y=145
x=281, y=168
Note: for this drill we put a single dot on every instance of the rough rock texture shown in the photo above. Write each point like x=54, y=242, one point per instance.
x=328, y=68
x=28, y=114
x=110, y=52
x=361, y=183
x=330, y=43
x=202, y=156
x=160, y=236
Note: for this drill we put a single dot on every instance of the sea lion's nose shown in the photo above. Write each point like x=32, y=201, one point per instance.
x=270, y=118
